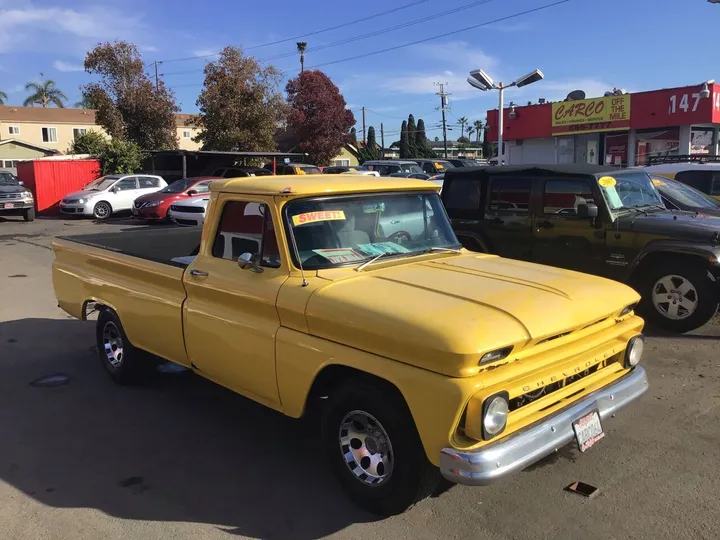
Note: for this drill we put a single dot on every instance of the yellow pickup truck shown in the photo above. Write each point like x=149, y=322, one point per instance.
x=352, y=295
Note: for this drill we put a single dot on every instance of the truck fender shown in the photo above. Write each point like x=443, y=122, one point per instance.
x=706, y=253
x=483, y=243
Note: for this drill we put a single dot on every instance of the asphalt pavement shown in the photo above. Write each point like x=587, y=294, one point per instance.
x=183, y=459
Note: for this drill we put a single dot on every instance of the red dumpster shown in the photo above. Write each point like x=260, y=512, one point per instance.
x=50, y=179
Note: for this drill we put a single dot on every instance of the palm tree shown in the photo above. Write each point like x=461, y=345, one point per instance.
x=470, y=131
x=84, y=103
x=463, y=122
x=301, y=47
x=44, y=93
x=3, y=97
x=478, y=128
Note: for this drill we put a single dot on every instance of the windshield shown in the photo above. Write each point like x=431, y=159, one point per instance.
x=178, y=186
x=7, y=179
x=684, y=194
x=101, y=184
x=310, y=170
x=629, y=190
x=337, y=231
x=407, y=167
x=442, y=166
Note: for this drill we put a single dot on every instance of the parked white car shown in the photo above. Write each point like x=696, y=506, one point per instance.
x=110, y=194
x=189, y=213
x=363, y=173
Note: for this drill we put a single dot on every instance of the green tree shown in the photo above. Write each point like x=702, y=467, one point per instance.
x=3, y=97
x=90, y=142
x=487, y=146
x=129, y=106
x=84, y=103
x=370, y=151
x=404, y=149
x=421, y=142
x=240, y=104
x=301, y=48
x=478, y=125
x=462, y=121
x=120, y=157
x=318, y=115
x=44, y=93
x=470, y=131
x=463, y=140
x=353, y=136
x=412, y=137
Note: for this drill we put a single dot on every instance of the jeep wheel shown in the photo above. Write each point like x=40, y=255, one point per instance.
x=102, y=210
x=374, y=448
x=679, y=297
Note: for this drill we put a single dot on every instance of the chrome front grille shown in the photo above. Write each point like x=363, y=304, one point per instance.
x=11, y=196
x=529, y=397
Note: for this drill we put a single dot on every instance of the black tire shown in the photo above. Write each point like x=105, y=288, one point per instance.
x=412, y=476
x=102, y=210
x=132, y=366
x=705, y=295
x=29, y=214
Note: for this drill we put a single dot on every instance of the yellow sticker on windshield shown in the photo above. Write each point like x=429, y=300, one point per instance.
x=312, y=217
x=657, y=182
x=607, y=181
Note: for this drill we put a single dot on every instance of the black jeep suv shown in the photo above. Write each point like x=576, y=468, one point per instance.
x=599, y=220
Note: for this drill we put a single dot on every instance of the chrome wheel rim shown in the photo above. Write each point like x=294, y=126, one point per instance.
x=102, y=210
x=674, y=297
x=113, y=344
x=366, y=448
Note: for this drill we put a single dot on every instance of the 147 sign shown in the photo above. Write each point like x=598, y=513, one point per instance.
x=684, y=102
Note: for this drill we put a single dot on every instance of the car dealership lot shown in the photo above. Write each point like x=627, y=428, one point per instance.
x=182, y=458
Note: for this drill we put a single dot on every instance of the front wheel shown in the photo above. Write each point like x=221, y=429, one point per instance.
x=102, y=210
x=29, y=214
x=679, y=297
x=373, y=446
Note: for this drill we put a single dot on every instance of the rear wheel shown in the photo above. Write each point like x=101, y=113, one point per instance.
x=374, y=449
x=29, y=214
x=102, y=210
x=679, y=297
x=124, y=362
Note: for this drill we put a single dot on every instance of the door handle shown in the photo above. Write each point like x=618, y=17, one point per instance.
x=545, y=225
x=198, y=273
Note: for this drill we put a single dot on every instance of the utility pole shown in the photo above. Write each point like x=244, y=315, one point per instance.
x=443, y=107
x=363, y=110
x=157, y=83
x=382, y=142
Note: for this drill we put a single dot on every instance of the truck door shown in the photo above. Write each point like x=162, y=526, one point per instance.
x=562, y=238
x=230, y=318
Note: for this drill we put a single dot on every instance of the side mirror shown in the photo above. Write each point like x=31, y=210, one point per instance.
x=246, y=261
x=113, y=189
x=191, y=192
x=20, y=182
x=587, y=210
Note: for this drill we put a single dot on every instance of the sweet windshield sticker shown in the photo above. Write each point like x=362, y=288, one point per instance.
x=340, y=255
x=382, y=247
x=608, y=184
x=314, y=217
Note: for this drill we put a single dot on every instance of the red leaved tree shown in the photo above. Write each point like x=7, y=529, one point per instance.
x=318, y=116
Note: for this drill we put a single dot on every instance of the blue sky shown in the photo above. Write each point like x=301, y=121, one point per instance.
x=588, y=44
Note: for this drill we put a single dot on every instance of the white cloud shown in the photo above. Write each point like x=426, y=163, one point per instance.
x=206, y=51
x=148, y=48
x=67, y=66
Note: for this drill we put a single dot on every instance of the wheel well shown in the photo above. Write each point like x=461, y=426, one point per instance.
x=661, y=257
x=472, y=242
x=92, y=309
x=331, y=376
x=103, y=201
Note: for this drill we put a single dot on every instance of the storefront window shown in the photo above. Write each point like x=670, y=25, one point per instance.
x=701, y=141
x=616, y=149
x=656, y=142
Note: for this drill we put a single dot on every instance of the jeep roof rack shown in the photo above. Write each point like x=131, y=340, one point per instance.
x=687, y=158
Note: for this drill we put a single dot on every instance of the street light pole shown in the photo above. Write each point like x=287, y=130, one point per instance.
x=482, y=81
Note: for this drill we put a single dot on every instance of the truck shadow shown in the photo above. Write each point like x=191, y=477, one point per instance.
x=181, y=449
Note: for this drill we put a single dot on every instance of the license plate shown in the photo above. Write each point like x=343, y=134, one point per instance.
x=588, y=430
x=7, y=205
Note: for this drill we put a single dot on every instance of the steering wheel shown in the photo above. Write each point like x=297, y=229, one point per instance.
x=399, y=237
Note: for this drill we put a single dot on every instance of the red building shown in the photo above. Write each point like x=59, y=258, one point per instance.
x=624, y=129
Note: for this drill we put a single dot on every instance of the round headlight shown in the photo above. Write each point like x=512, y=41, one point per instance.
x=634, y=351
x=495, y=417
x=81, y=201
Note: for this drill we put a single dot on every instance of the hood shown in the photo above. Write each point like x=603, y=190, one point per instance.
x=195, y=201
x=157, y=196
x=13, y=189
x=691, y=226
x=81, y=194
x=444, y=314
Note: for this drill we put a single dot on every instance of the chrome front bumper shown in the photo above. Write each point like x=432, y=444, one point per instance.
x=500, y=459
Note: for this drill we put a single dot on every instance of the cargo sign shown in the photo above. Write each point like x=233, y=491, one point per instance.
x=609, y=113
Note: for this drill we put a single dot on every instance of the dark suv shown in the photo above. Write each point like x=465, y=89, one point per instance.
x=594, y=219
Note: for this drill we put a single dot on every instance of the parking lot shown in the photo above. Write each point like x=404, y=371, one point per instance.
x=182, y=458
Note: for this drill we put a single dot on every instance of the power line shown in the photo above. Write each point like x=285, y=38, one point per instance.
x=446, y=34
x=359, y=37
x=315, y=33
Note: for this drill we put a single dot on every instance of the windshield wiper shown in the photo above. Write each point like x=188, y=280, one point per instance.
x=441, y=249
x=370, y=261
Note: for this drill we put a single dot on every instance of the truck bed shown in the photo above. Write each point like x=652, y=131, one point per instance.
x=157, y=244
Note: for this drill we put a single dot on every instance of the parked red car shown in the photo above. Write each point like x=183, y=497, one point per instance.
x=154, y=206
